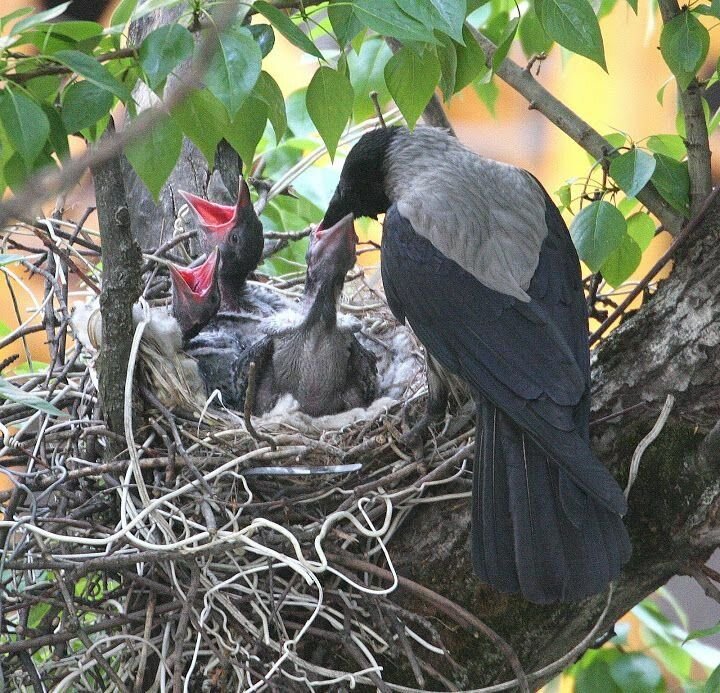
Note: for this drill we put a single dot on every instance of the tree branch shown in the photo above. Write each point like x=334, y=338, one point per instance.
x=696, y=133
x=572, y=125
x=121, y=287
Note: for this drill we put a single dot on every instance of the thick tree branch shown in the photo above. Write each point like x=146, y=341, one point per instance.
x=121, y=287
x=572, y=125
x=696, y=132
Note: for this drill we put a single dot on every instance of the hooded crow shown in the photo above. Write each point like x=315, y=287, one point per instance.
x=478, y=260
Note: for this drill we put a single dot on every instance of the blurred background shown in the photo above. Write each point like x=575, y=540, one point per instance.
x=500, y=125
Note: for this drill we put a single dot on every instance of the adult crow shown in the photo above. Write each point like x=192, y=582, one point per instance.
x=477, y=258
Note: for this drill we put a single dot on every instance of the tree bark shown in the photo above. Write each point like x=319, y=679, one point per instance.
x=152, y=221
x=121, y=286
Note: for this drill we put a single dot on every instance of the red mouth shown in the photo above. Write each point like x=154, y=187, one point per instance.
x=214, y=217
x=197, y=280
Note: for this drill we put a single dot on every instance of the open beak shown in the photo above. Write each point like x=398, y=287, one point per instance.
x=217, y=220
x=342, y=233
x=195, y=283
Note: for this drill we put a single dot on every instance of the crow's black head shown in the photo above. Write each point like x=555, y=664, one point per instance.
x=361, y=190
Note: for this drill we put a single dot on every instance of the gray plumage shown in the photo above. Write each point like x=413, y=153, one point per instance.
x=487, y=216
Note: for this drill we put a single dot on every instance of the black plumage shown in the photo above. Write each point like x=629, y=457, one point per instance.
x=502, y=308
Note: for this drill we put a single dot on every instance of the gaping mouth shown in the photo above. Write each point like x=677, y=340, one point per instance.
x=197, y=280
x=215, y=218
x=342, y=232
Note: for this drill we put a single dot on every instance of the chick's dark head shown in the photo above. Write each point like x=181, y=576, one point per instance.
x=234, y=229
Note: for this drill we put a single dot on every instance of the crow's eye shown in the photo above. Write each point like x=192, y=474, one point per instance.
x=234, y=238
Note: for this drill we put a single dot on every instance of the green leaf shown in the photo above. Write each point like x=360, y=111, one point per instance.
x=163, y=50
x=470, y=60
x=12, y=393
x=641, y=228
x=366, y=75
x=123, y=12
x=203, y=120
x=246, y=129
x=264, y=36
x=26, y=126
x=632, y=170
x=712, y=685
x=19, y=12
x=329, y=100
x=597, y=231
x=446, y=16
x=84, y=103
x=488, y=93
x=388, y=19
x=268, y=91
x=38, y=18
x=155, y=154
x=58, y=134
x=564, y=193
x=636, y=672
x=51, y=38
x=344, y=21
x=684, y=44
x=505, y=43
x=447, y=57
x=287, y=28
x=299, y=121
x=669, y=145
x=411, y=79
x=673, y=182
x=622, y=262
x=234, y=69
x=44, y=88
x=704, y=633
x=92, y=71
x=533, y=38
x=674, y=658
x=573, y=24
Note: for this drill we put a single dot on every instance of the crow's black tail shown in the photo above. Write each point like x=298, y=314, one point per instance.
x=533, y=530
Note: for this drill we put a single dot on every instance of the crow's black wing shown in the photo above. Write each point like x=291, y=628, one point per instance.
x=525, y=358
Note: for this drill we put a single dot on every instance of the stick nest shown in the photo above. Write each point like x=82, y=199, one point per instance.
x=207, y=556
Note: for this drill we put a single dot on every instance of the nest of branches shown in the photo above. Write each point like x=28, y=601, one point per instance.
x=218, y=551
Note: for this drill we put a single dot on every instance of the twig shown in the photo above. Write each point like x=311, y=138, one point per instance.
x=248, y=409
x=182, y=628
x=645, y=442
x=702, y=579
x=378, y=109
x=522, y=81
x=662, y=261
x=446, y=606
x=696, y=137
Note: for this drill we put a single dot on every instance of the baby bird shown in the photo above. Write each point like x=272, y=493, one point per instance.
x=195, y=295
x=318, y=362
